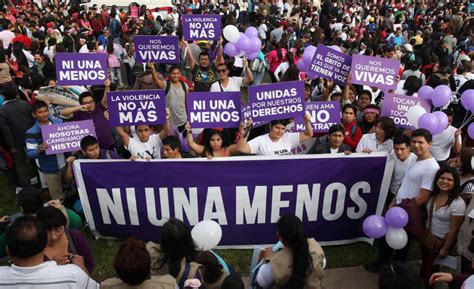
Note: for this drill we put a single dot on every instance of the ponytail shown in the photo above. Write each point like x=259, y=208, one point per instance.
x=290, y=229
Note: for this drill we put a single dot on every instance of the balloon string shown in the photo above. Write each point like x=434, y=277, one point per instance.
x=467, y=121
x=465, y=117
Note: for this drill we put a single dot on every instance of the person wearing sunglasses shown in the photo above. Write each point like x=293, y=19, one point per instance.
x=232, y=83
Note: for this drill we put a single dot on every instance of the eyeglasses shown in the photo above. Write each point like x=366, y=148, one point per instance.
x=221, y=70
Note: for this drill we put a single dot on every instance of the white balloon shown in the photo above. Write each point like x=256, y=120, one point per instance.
x=414, y=113
x=396, y=238
x=206, y=235
x=231, y=33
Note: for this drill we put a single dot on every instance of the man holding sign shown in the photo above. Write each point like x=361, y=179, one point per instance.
x=52, y=166
x=146, y=145
x=276, y=143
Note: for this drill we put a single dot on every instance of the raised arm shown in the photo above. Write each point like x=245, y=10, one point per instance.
x=192, y=61
x=242, y=145
x=158, y=82
x=123, y=135
x=69, y=111
x=308, y=131
x=248, y=79
x=219, y=57
x=166, y=128
x=197, y=148
x=106, y=89
x=233, y=148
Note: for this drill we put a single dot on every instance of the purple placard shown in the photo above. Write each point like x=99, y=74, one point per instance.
x=375, y=71
x=277, y=101
x=332, y=195
x=247, y=114
x=323, y=115
x=81, y=68
x=330, y=64
x=66, y=136
x=136, y=107
x=214, y=109
x=396, y=106
x=201, y=27
x=158, y=49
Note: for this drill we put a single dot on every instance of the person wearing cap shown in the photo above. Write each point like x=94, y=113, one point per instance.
x=204, y=74
x=19, y=37
x=104, y=37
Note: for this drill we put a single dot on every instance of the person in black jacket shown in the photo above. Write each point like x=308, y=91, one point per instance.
x=43, y=70
x=335, y=143
x=15, y=120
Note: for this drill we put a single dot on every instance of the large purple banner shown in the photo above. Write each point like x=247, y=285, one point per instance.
x=375, y=71
x=330, y=64
x=331, y=194
x=214, y=109
x=81, y=68
x=66, y=136
x=323, y=114
x=276, y=101
x=396, y=106
x=201, y=27
x=136, y=107
x=159, y=49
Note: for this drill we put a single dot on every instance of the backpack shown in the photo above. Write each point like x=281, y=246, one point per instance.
x=168, y=86
x=353, y=130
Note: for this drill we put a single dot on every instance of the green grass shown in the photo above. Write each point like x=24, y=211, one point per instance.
x=104, y=250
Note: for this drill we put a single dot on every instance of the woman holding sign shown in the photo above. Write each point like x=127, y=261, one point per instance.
x=277, y=142
x=213, y=145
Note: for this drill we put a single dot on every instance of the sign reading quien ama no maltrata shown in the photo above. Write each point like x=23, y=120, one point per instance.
x=136, y=107
x=81, y=68
x=201, y=27
x=277, y=101
x=158, y=49
x=375, y=71
x=214, y=109
x=67, y=136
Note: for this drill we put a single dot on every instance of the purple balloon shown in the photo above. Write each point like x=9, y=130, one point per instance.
x=441, y=95
x=309, y=53
x=425, y=92
x=251, y=32
x=442, y=121
x=302, y=66
x=470, y=131
x=252, y=56
x=244, y=42
x=255, y=45
x=467, y=99
x=374, y=226
x=428, y=121
x=231, y=49
x=396, y=217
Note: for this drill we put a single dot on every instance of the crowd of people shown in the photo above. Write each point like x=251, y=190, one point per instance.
x=433, y=176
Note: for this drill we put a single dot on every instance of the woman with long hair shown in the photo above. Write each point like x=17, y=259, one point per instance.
x=216, y=143
x=446, y=211
x=283, y=67
x=353, y=133
x=299, y=264
x=465, y=164
x=381, y=139
x=175, y=254
x=275, y=58
x=370, y=118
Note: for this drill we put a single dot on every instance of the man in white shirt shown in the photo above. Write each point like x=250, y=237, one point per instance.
x=6, y=35
x=26, y=239
x=403, y=159
x=145, y=145
x=449, y=138
x=277, y=142
x=417, y=184
x=233, y=83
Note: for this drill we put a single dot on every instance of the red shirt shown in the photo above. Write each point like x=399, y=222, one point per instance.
x=352, y=139
x=23, y=39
